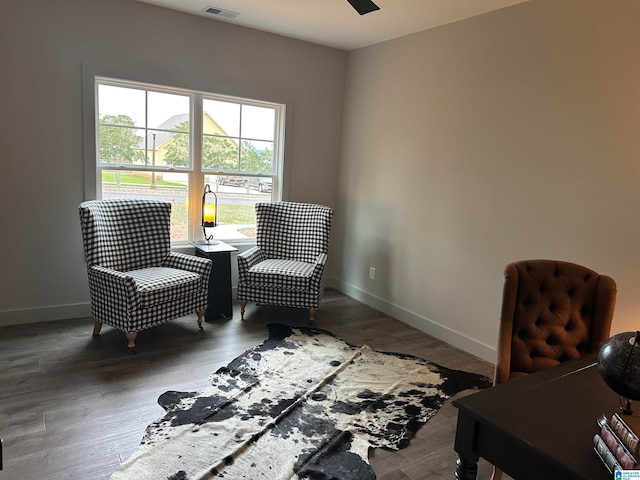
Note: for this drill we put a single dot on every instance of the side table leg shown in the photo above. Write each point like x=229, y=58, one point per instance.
x=466, y=468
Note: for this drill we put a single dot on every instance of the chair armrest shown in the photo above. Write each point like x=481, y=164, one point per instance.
x=317, y=276
x=318, y=266
x=321, y=260
x=191, y=263
x=246, y=260
x=200, y=265
x=112, y=290
x=249, y=258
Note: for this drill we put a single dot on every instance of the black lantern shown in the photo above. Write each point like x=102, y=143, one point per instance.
x=209, y=212
x=619, y=366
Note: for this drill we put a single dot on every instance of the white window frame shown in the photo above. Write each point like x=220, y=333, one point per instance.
x=196, y=174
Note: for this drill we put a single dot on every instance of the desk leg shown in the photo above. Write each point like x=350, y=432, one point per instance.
x=466, y=469
x=467, y=464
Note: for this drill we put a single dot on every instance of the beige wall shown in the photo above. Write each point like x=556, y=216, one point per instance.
x=507, y=136
x=44, y=48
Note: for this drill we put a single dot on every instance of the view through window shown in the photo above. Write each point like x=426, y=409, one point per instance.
x=163, y=143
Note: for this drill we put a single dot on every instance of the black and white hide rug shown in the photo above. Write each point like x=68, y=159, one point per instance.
x=302, y=405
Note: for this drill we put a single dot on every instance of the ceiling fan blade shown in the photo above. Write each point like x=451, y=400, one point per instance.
x=363, y=6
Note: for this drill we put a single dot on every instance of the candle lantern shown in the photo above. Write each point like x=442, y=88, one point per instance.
x=209, y=212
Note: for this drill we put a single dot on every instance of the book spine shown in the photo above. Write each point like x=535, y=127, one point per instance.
x=608, y=459
x=624, y=457
x=626, y=435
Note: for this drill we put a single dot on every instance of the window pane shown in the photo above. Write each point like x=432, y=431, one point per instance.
x=256, y=156
x=146, y=130
x=167, y=186
x=221, y=118
x=237, y=196
x=121, y=145
x=219, y=153
x=168, y=149
x=178, y=123
x=258, y=123
x=167, y=110
x=121, y=102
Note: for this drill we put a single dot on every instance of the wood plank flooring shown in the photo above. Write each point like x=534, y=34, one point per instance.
x=73, y=406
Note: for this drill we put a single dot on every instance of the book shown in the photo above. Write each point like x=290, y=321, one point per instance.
x=624, y=457
x=627, y=429
x=608, y=458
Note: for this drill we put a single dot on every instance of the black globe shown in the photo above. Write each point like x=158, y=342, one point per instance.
x=619, y=364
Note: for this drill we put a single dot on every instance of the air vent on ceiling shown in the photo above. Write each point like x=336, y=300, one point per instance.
x=220, y=12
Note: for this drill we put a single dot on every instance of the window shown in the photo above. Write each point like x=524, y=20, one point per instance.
x=165, y=143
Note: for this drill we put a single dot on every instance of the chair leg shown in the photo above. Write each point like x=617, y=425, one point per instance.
x=200, y=317
x=97, y=326
x=497, y=474
x=243, y=303
x=131, y=337
x=312, y=315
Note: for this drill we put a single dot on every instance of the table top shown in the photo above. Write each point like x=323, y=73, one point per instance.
x=218, y=247
x=550, y=414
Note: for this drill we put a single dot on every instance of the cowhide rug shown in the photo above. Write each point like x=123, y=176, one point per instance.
x=302, y=405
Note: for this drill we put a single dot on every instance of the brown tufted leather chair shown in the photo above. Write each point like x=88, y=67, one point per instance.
x=552, y=312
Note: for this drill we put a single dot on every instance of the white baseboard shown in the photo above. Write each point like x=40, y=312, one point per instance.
x=44, y=314
x=436, y=330
x=456, y=339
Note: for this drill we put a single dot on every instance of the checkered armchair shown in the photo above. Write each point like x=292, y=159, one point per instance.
x=135, y=281
x=286, y=267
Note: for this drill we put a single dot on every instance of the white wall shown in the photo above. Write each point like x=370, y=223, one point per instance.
x=44, y=47
x=508, y=136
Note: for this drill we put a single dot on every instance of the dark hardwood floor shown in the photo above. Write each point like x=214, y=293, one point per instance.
x=73, y=406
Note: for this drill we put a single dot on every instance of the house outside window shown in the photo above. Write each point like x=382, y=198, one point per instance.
x=163, y=143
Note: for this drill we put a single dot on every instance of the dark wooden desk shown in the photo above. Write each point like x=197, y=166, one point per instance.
x=537, y=427
x=220, y=301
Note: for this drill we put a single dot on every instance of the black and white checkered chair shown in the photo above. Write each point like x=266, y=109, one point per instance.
x=286, y=267
x=135, y=281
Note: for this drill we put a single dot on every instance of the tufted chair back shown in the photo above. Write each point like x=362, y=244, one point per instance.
x=552, y=312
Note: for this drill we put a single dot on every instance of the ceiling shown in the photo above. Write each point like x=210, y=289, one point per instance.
x=335, y=23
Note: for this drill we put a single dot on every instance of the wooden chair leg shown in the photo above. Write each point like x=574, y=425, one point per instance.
x=97, y=326
x=243, y=303
x=312, y=315
x=200, y=317
x=131, y=337
x=497, y=474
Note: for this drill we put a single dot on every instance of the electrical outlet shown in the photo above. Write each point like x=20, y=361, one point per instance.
x=372, y=273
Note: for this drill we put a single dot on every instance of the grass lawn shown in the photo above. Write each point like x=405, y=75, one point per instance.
x=228, y=214
x=134, y=179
